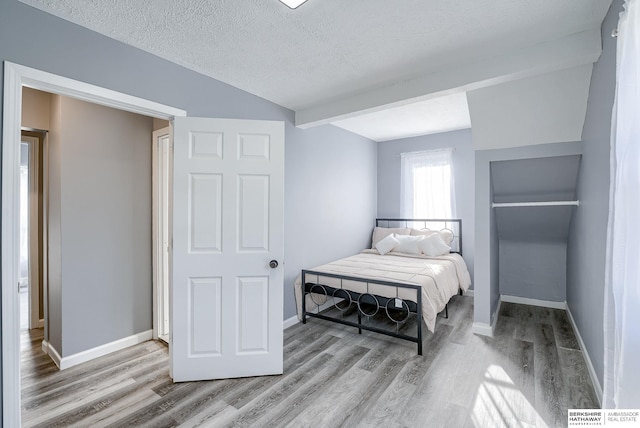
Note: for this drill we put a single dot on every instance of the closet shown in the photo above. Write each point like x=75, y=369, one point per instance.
x=533, y=203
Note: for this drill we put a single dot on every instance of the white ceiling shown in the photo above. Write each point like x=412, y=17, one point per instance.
x=330, y=50
x=441, y=114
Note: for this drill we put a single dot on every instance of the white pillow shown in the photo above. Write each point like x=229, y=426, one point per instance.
x=433, y=245
x=408, y=244
x=380, y=233
x=422, y=232
x=386, y=244
x=446, y=234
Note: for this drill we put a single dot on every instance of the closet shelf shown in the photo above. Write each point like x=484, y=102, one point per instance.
x=535, y=204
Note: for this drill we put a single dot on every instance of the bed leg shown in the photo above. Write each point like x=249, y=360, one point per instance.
x=446, y=311
x=419, y=319
x=304, y=300
x=359, y=322
x=420, y=336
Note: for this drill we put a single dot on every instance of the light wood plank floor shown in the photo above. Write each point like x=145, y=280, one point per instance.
x=528, y=375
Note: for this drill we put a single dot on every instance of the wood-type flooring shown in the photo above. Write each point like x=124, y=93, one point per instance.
x=528, y=375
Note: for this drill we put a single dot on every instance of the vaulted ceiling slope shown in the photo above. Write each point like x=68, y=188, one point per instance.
x=329, y=59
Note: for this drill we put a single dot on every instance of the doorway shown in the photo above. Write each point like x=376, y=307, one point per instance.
x=16, y=77
x=161, y=205
x=254, y=211
x=105, y=234
x=100, y=177
x=31, y=275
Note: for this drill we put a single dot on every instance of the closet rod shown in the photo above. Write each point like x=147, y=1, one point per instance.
x=535, y=204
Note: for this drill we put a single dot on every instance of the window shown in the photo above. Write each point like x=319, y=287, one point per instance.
x=427, y=189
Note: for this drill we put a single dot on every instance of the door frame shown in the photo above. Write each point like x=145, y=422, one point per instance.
x=161, y=201
x=15, y=77
x=36, y=145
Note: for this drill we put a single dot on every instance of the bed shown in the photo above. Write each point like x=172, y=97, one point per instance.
x=398, y=285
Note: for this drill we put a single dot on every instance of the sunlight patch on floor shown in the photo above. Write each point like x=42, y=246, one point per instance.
x=499, y=403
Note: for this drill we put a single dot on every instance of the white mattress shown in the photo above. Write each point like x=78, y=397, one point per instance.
x=440, y=279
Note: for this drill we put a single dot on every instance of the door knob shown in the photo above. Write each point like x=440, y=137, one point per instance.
x=273, y=264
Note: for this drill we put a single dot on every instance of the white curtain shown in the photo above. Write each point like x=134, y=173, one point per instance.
x=427, y=188
x=622, y=282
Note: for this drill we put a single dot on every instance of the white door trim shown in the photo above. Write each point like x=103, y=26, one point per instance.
x=34, y=226
x=15, y=77
x=161, y=207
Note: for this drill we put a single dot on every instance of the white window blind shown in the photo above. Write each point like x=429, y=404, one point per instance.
x=427, y=189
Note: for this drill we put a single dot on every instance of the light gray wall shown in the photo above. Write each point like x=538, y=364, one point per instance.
x=535, y=180
x=330, y=200
x=389, y=180
x=105, y=225
x=486, y=242
x=536, y=270
x=586, y=251
x=313, y=157
x=533, y=240
x=488, y=265
x=531, y=224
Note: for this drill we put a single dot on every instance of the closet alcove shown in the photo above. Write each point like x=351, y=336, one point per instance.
x=533, y=203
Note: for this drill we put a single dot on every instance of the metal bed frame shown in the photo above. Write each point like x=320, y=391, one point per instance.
x=343, y=299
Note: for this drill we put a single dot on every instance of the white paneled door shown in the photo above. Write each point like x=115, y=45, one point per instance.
x=227, y=280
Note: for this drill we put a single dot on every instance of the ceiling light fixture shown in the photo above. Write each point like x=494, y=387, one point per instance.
x=293, y=3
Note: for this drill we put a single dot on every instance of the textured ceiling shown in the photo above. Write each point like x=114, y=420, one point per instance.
x=327, y=49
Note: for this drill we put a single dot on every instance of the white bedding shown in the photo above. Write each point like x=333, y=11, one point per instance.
x=440, y=278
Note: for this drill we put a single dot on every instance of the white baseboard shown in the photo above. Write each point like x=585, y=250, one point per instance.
x=533, y=302
x=52, y=352
x=485, y=329
x=98, y=351
x=41, y=323
x=587, y=359
x=482, y=328
x=469, y=292
x=290, y=322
